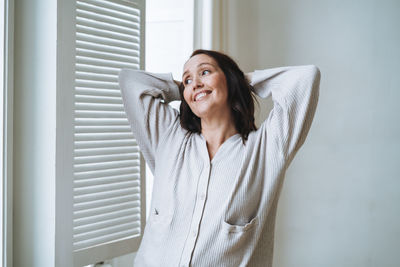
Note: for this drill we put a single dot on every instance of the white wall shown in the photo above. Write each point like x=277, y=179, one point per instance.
x=169, y=35
x=340, y=202
x=34, y=132
x=169, y=43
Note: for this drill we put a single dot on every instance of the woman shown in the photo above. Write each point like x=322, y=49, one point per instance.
x=217, y=178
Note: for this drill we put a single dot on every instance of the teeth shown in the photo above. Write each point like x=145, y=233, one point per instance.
x=200, y=96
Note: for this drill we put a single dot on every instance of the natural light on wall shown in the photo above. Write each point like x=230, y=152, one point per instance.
x=169, y=43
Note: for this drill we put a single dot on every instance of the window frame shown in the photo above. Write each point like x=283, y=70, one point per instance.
x=7, y=133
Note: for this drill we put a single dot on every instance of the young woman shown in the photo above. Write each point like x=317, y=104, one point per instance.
x=217, y=178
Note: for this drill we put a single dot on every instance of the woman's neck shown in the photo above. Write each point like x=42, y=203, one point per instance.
x=216, y=132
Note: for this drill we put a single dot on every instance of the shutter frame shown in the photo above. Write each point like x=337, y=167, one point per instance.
x=104, y=169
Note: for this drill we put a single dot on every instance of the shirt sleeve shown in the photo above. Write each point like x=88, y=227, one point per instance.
x=295, y=92
x=145, y=97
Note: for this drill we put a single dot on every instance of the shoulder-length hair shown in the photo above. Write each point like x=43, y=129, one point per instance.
x=240, y=97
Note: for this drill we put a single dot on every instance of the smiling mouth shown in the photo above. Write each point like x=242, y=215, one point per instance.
x=199, y=96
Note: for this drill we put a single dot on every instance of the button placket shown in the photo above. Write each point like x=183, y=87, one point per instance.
x=197, y=215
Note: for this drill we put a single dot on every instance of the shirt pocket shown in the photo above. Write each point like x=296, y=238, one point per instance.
x=233, y=228
x=237, y=239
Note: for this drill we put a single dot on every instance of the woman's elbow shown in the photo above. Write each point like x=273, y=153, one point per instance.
x=312, y=71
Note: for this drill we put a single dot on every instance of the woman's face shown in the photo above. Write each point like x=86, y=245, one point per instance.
x=205, y=85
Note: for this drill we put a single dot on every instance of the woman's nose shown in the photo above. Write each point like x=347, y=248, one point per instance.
x=197, y=83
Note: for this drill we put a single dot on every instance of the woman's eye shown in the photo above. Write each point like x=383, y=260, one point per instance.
x=187, y=81
x=205, y=72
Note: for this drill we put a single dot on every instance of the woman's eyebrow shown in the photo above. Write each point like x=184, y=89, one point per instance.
x=201, y=64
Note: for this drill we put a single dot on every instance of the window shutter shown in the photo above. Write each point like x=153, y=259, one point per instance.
x=108, y=197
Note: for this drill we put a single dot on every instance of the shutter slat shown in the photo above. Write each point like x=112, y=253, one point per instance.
x=104, y=165
x=85, y=84
x=106, y=48
x=108, y=63
x=117, y=7
x=107, y=41
x=97, y=99
x=122, y=15
x=106, y=202
x=89, y=95
x=105, y=195
x=96, y=77
x=102, y=129
x=134, y=31
x=105, y=151
x=107, y=19
x=105, y=187
x=104, y=217
x=106, y=158
x=102, y=136
x=101, y=210
x=99, y=106
x=106, y=180
x=106, y=169
x=105, y=173
x=106, y=33
x=104, y=224
x=99, y=114
x=106, y=55
x=110, y=230
x=106, y=238
x=100, y=122
x=97, y=69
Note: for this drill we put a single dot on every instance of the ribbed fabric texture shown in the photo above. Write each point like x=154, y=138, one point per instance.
x=219, y=212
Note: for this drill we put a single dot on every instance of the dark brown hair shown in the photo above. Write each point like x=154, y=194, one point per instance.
x=240, y=97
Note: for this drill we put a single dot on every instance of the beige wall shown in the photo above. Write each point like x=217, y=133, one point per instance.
x=340, y=202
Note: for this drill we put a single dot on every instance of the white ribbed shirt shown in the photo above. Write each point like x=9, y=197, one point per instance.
x=219, y=212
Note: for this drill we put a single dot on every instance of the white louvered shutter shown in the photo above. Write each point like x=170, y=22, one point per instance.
x=108, y=197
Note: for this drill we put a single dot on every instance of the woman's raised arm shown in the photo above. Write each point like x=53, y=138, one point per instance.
x=295, y=92
x=145, y=97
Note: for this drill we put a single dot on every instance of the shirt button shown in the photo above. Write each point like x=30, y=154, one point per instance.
x=194, y=233
x=203, y=196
